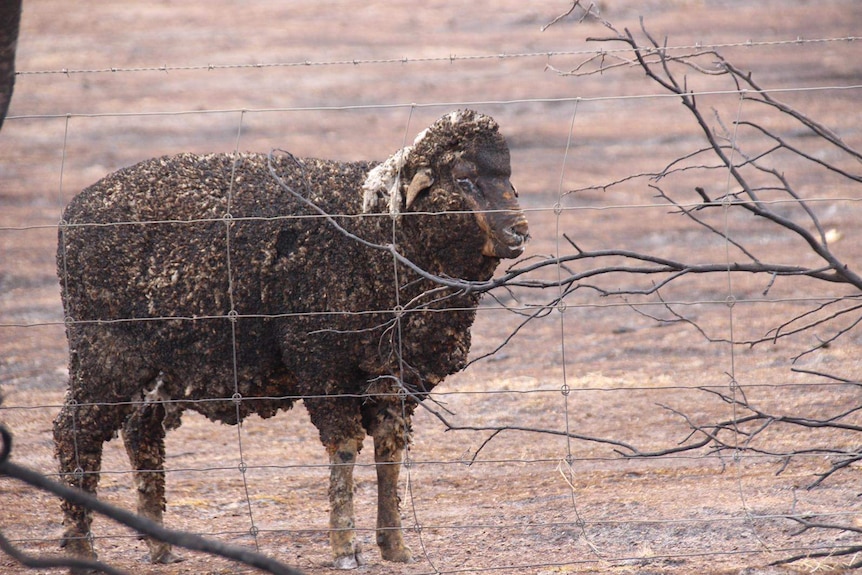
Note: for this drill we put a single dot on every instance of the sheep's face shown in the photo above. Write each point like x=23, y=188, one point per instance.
x=483, y=179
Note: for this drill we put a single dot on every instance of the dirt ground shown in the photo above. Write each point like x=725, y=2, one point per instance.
x=106, y=84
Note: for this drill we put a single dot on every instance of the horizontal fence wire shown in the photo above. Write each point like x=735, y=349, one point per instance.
x=435, y=105
x=452, y=58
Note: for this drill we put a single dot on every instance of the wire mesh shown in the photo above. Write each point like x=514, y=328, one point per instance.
x=530, y=460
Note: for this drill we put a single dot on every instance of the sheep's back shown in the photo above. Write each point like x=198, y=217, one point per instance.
x=166, y=237
x=186, y=245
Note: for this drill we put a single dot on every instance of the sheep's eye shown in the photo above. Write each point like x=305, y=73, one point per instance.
x=463, y=170
x=469, y=186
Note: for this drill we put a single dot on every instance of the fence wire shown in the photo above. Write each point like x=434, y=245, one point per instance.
x=447, y=59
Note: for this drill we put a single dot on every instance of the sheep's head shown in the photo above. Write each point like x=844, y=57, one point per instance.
x=463, y=152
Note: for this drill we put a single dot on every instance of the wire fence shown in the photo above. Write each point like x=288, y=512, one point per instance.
x=610, y=419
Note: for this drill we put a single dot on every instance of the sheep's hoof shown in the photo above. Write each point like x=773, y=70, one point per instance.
x=397, y=554
x=349, y=561
x=161, y=553
x=77, y=545
x=166, y=557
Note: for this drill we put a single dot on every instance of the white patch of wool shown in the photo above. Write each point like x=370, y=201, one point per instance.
x=454, y=117
x=156, y=394
x=383, y=183
x=420, y=136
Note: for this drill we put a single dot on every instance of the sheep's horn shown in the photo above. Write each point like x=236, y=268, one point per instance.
x=420, y=182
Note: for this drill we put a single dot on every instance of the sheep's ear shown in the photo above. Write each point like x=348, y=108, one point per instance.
x=420, y=182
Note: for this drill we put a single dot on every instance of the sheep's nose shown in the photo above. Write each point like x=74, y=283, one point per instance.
x=518, y=234
x=512, y=242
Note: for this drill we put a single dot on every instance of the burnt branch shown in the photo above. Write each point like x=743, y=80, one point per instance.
x=849, y=550
x=141, y=524
x=750, y=151
x=57, y=562
x=740, y=433
x=754, y=187
x=576, y=4
x=620, y=446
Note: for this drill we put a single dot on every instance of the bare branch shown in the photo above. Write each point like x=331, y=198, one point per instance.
x=816, y=127
x=141, y=524
x=806, y=525
x=575, y=4
x=498, y=429
x=746, y=191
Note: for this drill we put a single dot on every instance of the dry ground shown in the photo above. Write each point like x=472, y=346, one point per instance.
x=518, y=508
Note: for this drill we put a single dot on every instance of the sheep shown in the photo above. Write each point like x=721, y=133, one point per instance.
x=213, y=283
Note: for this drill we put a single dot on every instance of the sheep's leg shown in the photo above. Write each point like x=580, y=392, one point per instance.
x=389, y=440
x=388, y=454
x=342, y=457
x=79, y=434
x=144, y=438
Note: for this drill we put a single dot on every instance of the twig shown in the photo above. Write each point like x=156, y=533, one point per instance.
x=575, y=4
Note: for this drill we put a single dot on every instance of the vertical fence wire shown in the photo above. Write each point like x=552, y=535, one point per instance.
x=736, y=389
x=403, y=392
x=567, y=469
x=78, y=472
x=233, y=319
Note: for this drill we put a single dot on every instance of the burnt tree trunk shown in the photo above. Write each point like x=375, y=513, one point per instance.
x=10, y=20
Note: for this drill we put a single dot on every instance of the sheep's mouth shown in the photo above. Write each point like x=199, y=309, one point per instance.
x=508, y=243
x=500, y=218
